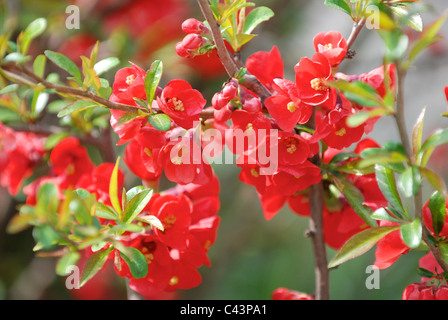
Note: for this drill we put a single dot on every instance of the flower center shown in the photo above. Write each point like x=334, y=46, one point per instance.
x=148, y=251
x=254, y=173
x=174, y=280
x=291, y=106
x=169, y=221
x=176, y=104
x=70, y=169
x=318, y=84
x=130, y=79
x=341, y=132
x=148, y=152
x=249, y=129
x=290, y=145
x=328, y=46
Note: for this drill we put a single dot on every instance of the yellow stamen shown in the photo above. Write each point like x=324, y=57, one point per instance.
x=318, y=84
x=341, y=132
x=130, y=79
x=291, y=106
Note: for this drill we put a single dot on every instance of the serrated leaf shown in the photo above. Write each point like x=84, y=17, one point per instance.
x=160, y=121
x=105, y=65
x=135, y=260
x=411, y=233
x=437, y=206
x=136, y=205
x=76, y=106
x=94, y=264
x=255, y=17
x=64, y=63
x=152, y=80
x=359, y=244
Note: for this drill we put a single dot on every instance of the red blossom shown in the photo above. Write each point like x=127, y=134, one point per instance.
x=332, y=45
x=182, y=103
x=311, y=77
x=266, y=66
x=288, y=294
x=390, y=248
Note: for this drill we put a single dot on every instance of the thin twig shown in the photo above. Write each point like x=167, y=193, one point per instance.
x=250, y=82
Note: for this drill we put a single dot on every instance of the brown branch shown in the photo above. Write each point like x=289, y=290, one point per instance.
x=250, y=82
x=316, y=232
x=356, y=30
x=404, y=137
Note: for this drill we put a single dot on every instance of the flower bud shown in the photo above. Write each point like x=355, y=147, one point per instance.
x=182, y=51
x=193, y=41
x=252, y=105
x=194, y=26
x=230, y=90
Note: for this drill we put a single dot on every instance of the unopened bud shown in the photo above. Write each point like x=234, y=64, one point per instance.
x=194, y=26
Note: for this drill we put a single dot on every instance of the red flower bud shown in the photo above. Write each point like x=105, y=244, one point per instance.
x=193, y=41
x=194, y=26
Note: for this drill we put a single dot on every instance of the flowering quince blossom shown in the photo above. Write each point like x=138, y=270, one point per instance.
x=266, y=66
x=288, y=294
x=332, y=45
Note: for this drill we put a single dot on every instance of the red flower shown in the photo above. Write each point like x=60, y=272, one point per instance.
x=266, y=66
x=70, y=162
x=286, y=107
x=141, y=154
x=332, y=45
x=429, y=263
x=183, y=163
x=175, y=214
x=422, y=291
x=288, y=294
x=300, y=204
x=129, y=83
x=375, y=78
x=311, y=77
x=98, y=182
x=389, y=248
x=339, y=226
x=182, y=103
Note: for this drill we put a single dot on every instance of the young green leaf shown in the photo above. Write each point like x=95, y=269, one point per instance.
x=34, y=29
x=94, y=264
x=339, y=4
x=64, y=63
x=410, y=181
x=136, y=205
x=76, y=106
x=359, y=244
x=152, y=80
x=382, y=214
x=255, y=17
x=411, y=233
x=65, y=262
x=437, y=206
x=105, y=65
x=39, y=65
x=113, y=189
x=160, y=121
x=387, y=184
x=417, y=132
x=135, y=260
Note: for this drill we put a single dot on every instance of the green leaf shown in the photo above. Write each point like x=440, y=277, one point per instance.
x=47, y=201
x=413, y=20
x=54, y=139
x=255, y=17
x=359, y=244
x=136, y=205
x=39, y=65
x=45, y=236
x=387, y=184
x=135, y=260
x=425, y=273
x=160, y=121
x=412, y=233
x=437, y=138
x=153, y=221
x=437, y=206
x=64, y=63
x=358, y=92
x=34, y=29
x=396, y=43
x=152, y=80
x=105, y=212
x=81, y=212
x=429, y=36
x=16, y=57
x=9, y=89
x=76, y=106
x=105, y=65
x=339, y=4
x=66, y=261
x=19, y=222
x=410, y=181
x=417, y=133
x=355, y=198
x=113, y=189
x=434, y=179
x=382, y=214
x=94, y=264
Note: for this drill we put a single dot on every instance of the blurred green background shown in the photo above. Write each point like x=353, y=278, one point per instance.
x=251, y=257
